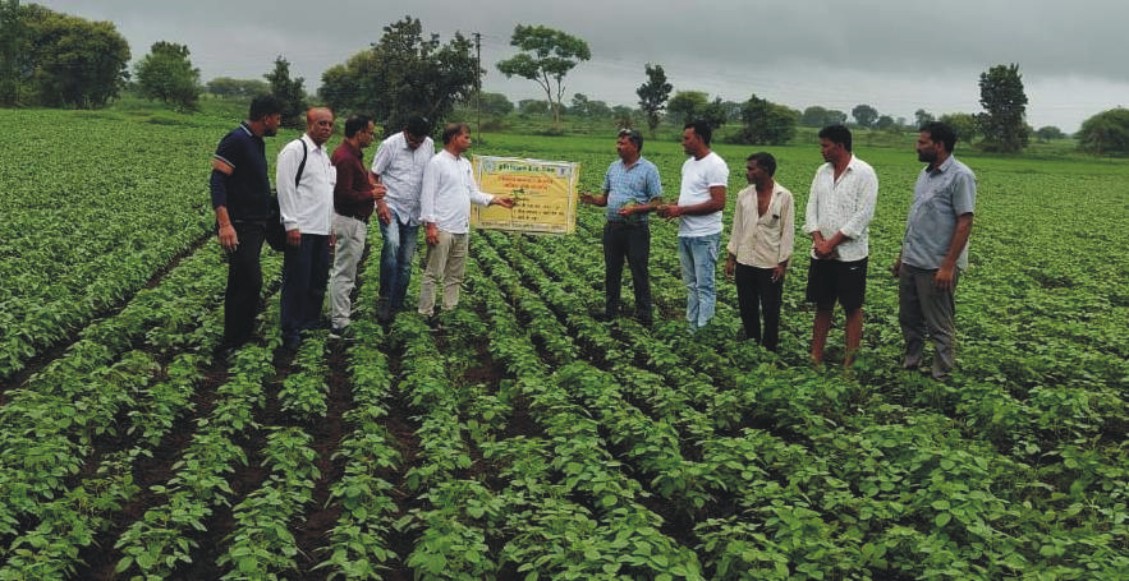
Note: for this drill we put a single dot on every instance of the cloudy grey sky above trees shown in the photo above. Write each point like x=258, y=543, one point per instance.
x=895, y=55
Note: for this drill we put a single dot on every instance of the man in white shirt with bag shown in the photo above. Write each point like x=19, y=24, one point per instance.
x=305, y=179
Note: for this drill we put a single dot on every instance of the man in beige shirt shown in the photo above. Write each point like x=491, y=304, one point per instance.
x=760, y=247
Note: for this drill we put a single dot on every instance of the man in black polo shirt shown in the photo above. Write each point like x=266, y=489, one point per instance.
x=240, y=196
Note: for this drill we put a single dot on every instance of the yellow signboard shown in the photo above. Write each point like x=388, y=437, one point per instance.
x=544, y=194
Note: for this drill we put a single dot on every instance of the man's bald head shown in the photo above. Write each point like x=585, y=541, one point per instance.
x=319, y=124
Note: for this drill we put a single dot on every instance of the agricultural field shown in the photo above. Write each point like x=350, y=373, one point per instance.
x=522, y=439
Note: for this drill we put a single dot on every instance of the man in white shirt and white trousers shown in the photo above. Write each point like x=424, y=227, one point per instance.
x=447, y=193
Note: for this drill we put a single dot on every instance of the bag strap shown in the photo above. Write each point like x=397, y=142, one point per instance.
x=301, y=166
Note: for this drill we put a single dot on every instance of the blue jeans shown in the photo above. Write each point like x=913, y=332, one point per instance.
x=698, y=256
x=396, y=255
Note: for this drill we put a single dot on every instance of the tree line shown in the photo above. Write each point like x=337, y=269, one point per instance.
x=52, y=59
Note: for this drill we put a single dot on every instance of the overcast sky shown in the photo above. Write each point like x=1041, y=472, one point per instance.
x=896, y=55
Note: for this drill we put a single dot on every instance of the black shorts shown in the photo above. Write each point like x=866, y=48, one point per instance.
x=831, y=280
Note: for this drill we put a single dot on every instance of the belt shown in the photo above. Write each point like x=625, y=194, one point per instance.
x=615, y=224
x=364, y=219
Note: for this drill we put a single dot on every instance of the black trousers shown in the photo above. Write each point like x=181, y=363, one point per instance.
x=305, y=275
x=755, y=289
x=633, y=243
x=244, y=284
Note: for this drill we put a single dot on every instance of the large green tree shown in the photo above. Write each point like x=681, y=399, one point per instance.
x=1004, y=120
x=1105, y=133
x=547, y=55
x=228, y=87
x=865, y=115
x=495, y=104
x=403, y=74
x=582, y=106
x=687, y=105
x=1048, y=133
x=66, y=61
x=11, y=39
x=964, y=124
x=766, y=123
x=653, y=95
x=290, y=91
x=166, y=74
x=921, y=117
x=816, y=116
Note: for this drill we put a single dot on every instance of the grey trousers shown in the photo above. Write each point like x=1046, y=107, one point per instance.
x=351, y=234
x=446, y=266
x=924, y=311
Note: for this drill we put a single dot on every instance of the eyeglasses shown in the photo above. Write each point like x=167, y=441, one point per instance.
x=631, y=133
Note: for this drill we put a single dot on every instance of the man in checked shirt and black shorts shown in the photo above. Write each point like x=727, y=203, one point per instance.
x=840, y=207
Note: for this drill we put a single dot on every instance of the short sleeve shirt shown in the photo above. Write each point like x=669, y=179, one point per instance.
x=939, y=198
x=401, y=170
x=638, y=183
x=698, y=176
x=246, y=192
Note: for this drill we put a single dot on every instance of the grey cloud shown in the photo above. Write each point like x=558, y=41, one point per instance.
x=801, y=52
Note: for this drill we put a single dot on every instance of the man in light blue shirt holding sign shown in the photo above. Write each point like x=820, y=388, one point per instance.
x=631, y=190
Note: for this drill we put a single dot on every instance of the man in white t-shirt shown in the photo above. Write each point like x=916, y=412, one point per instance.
x=700, y=202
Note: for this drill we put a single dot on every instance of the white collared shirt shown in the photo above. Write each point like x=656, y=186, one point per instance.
x=309, y=207
x=846, y=205
x=401, y=171
x=447, y=192
x=763, y=241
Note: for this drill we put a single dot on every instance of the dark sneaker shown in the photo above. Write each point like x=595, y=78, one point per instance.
x=224, y=353
x=342, y=333
x=384, y=313
x=290, y=346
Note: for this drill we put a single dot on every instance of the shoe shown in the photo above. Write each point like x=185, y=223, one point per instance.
x=435, y=323
x=224, y=353
x=384, y=313
x=291, y=346
x=342, y=333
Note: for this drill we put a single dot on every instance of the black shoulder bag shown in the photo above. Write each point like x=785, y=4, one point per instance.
x=276, y=232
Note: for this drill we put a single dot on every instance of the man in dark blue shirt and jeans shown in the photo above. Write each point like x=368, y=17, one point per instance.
x=241, y=199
